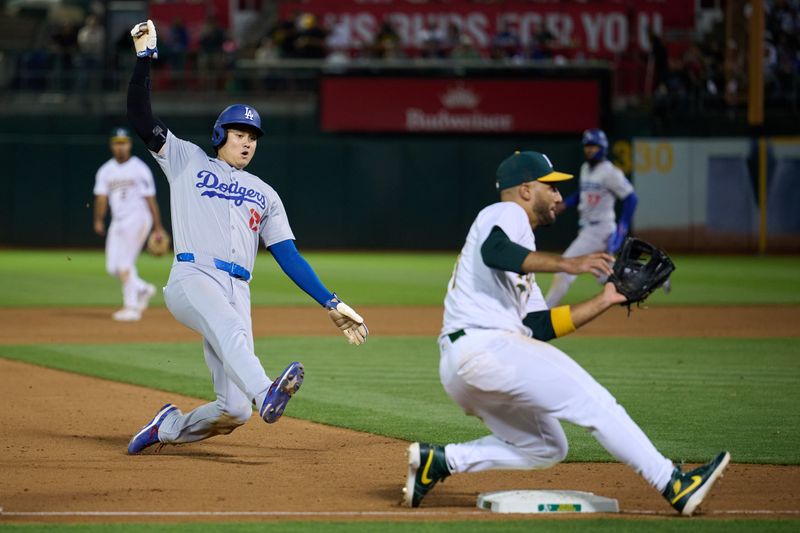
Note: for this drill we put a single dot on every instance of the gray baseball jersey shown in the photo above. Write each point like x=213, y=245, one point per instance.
x=600, y=188
x=218, y=210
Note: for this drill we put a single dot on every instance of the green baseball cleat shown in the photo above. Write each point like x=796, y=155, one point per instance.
x=686, y=490
x=426, y=467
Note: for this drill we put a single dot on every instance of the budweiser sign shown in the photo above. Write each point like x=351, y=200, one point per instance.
x=458, y=105
x=459, y=112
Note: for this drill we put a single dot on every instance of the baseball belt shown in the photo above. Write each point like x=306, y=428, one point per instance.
x=456, y=335
x=234, y=270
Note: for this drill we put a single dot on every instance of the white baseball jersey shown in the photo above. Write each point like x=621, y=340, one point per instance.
x=218, y=210
x=126, y=185
x=600, y=188
x=483, y=297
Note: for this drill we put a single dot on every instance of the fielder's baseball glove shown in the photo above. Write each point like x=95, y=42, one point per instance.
x=640, y=268
x=158, y=243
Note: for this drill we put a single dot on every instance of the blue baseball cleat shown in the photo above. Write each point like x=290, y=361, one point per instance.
x=281, y=391
x=148, y=435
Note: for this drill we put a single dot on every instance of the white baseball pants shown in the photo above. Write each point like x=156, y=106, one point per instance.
x=124, y=241
x=520, y=388
x=590, y=239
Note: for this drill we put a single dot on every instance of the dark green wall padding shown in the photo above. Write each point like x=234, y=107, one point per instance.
x=341, y=191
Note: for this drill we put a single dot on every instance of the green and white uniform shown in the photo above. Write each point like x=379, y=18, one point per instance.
x=518, y=386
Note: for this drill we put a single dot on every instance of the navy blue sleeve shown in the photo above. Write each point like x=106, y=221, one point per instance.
x=572, y=199
x=628, y=207
x=297, y=268
x=140, y=114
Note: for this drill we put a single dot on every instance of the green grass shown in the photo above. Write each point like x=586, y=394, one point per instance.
x=78, y=278
x=693, y=397
x=676, y=525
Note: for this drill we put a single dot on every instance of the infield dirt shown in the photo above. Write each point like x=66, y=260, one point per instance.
x=64, y=435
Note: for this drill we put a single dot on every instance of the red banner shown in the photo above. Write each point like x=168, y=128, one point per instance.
x=598, y=29
x=457, y=105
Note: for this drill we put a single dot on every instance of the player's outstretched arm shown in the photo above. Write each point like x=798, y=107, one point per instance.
x=560, y=321
x=140, y=114
x=297, y=268
x=598, y=264
x=585, y=312
x=500, y=252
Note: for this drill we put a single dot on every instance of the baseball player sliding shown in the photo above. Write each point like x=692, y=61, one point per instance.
x=496, y=364
x=125, y=183
x=601, y=184
x=219, y=211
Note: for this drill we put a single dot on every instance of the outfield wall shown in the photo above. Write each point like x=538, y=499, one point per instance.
x=703, y=194
x=341, y=191
x=400, y=191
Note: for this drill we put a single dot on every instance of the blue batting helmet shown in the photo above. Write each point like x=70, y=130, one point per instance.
x=237, y=114
x=596, y=137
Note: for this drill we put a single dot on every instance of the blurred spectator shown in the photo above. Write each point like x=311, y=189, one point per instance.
x=310, y=41
x=230, y=53
x=658, y=53
x=505, y=43
x=123, y=57
x=451, y=39
x=337, y=44
x=542, y=42
x=267, y=52
x=782, y=49
x=177, y=48
x=695, y=75
x=210, y=58
x=91, y=45
x=64, y=44
x=283, y=35
x=465, y=49
x=432, y=41
x=387, y=43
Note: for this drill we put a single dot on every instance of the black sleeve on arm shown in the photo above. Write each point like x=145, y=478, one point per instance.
x=140, y=115
x=498, y=251
x=541, y=325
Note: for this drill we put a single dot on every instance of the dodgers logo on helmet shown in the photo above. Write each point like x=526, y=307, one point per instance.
x=232, y=115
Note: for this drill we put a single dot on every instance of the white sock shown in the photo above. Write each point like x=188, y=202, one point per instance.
x=130, y=294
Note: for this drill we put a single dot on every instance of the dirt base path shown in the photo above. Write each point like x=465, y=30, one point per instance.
x=64, y=438
x=91, y=324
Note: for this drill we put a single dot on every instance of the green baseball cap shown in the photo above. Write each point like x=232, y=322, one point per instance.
x=521, y=167
x=120, y=135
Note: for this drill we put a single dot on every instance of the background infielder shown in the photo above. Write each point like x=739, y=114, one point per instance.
x=125, y=183
x=219, y=211
x=519, y=386
x=601, y=184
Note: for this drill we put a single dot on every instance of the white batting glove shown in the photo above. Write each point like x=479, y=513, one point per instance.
x=347, y=320
x=144, y=39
